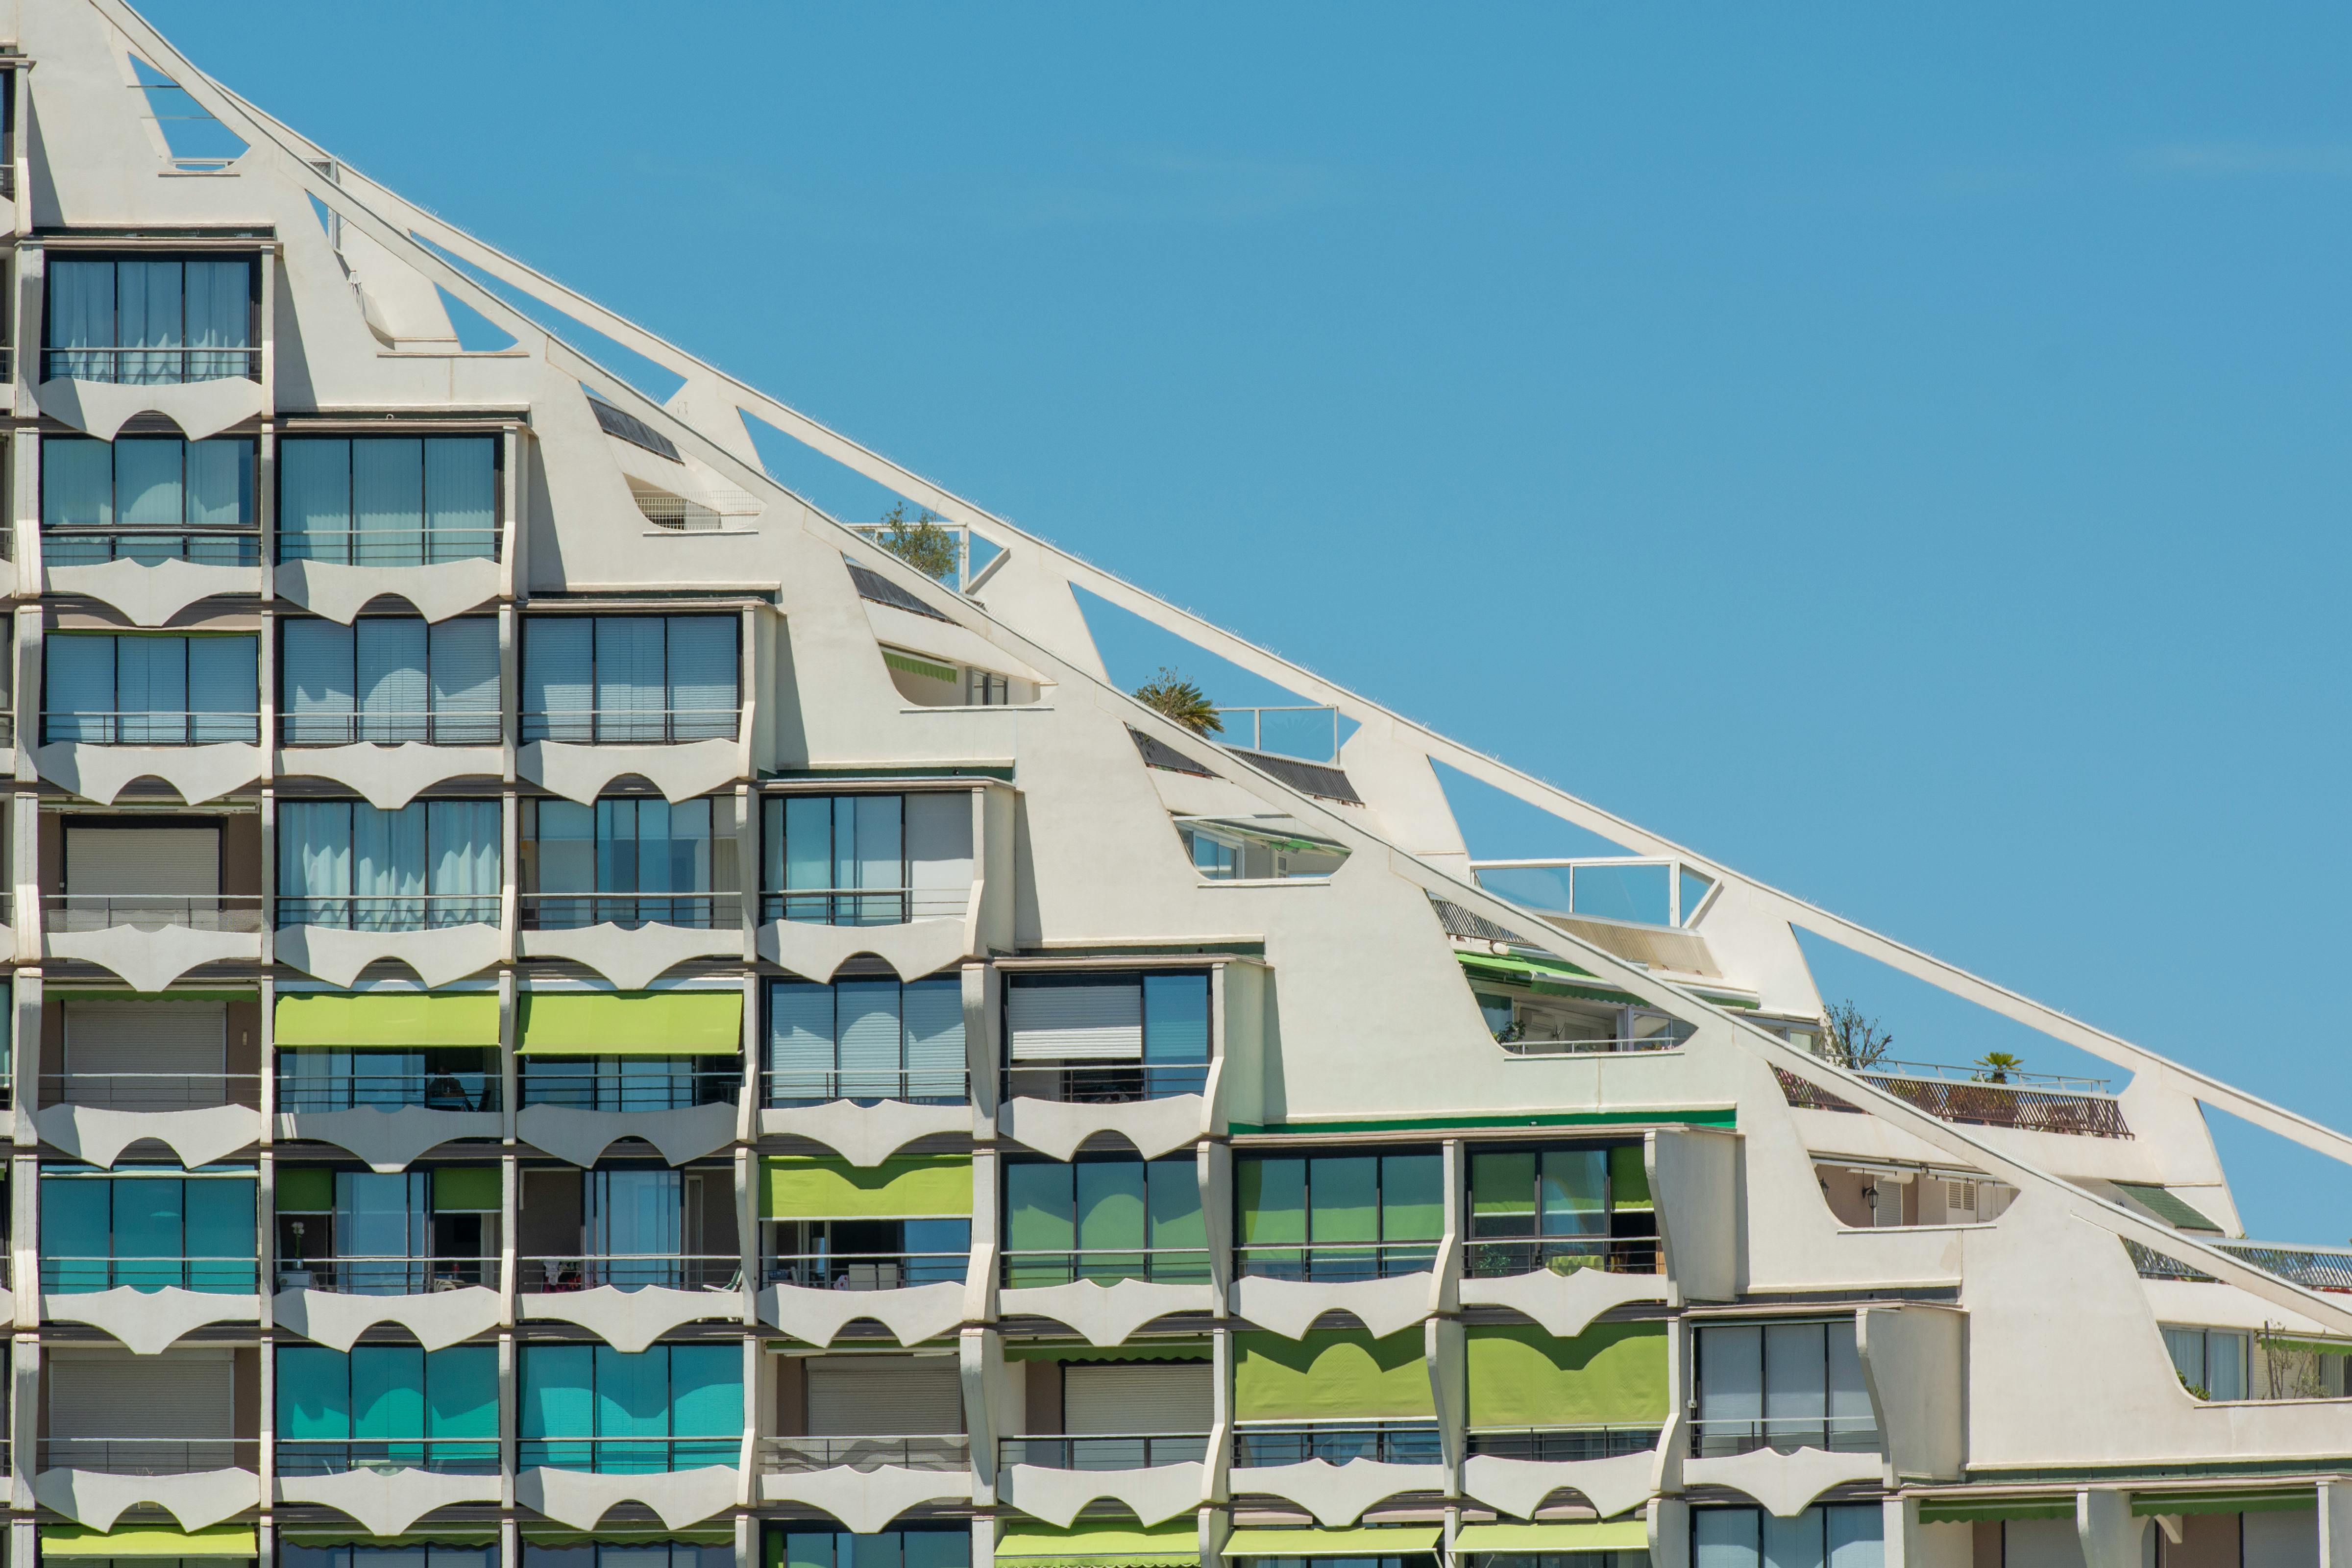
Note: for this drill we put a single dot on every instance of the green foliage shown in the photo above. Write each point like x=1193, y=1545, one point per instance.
x=919, y=541
x=1853, y=1042
x=1994, y=1066
x=1170, y=694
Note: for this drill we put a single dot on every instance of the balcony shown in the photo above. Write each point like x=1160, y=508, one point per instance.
x=696, y=910
x=1561, y=1254
x=1714, y=1440
x=1118, y=1453
x=386, y=1276
x=1562, y=1444
x=866, y=1270
x=796, y=1456
x=631, y=1084
x=431, y=546
x=150, y=1090
x=70, y=1276
x=446, y=728
x=630, y=1271
x=150, y=546
x=164, y=365
x=1633, y=890
x=630, y=726
x=237, y=913
x=338, y=1456
x=627, y=1456
x=149, y=728
x=150, y=1455
x=1383, y=1442
x=797, y=1087
x=863, y=906
x=1336, y=1265
x=1104, y=1083
x=1162, y=1266
x=388, y=912
x=2029, y=1102
x=445, y=1090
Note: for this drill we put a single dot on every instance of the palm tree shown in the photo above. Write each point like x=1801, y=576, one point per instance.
x=1996, y=1066
x=1170, y=694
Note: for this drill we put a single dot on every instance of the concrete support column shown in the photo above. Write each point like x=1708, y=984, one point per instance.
x=1669, y=1532
x=2335, y=1524
x=2104, y=1525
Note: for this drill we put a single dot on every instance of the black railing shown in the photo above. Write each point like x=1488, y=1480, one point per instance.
x=433, y=1090
x=1837, y=1434
x=678, y=1271
x=427, y=546
x=839, y=906
x=239, y=912
x=1561, y=1254
x=1122, y=1453
x=1167, y=1265
x=149, y=546
x=628, y=1456
x=784, y=1455
x=585, y=1088
x=150, y=1455
x=1104, y=1083
x=150, y=1090
x=1337, y=1263
x=631, y=726
x=790, y=1087
x=1561, y=1446
x=866, y=1270
x=1383, y=1443
x=170, y=366
x=70, y=1276
x=387, y=912
x=155, y=728
x=719, y=910
x=335, y=1456
x=386, y=1276
x=471, y=727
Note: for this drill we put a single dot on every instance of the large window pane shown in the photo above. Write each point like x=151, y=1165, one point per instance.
x=388, y=500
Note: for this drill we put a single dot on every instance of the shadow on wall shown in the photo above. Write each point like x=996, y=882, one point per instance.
x=780, y=703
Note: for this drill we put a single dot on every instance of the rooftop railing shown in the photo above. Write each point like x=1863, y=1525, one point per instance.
x=1120, y=1453
x=239, y=912
x=150, y=1090
x=2313, y=1267
x=1386, y=1443
x=338, y=1456
x=1104, y=1083
x=628, y=1456
x=1337, y=1263
x=866, y=1270
x=384, y=1276
x=465, y=728
x=387, y=912
x=350, y=1092
x=1562, y=1444
x=696, y=910
x=150, y=1455
x=67, y=1275
x=1167, y=1265
x=388, y=546
x=1836, y=1434
x=629, y=1271
x=162, y=367
x=1308, y=731
x=1499, y=1259
x=790, y=1456
x=630, y=726
x=157, y=728
x=1978, y=1102
x=150, y=547
x=791, y=1087
x=1635, y=889
x=2150, y=1264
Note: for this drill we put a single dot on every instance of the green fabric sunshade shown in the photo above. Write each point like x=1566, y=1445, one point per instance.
x=2166, y=1205
x=1552, y=979
x=2305, y=1342
x=1166, y=1545
x=2288, y=1500
x=1613, y=1374
x=1628, y=1179
x=1630, y=1535
x=386, y=1018
x=631, y=1023
x=149, y=1540
x=1364, y=1541
x=467, y=1189
x=1330, y=1372
x=1966, y=1511
x=305, y=1189
x=915, y=1186
x=914, y=666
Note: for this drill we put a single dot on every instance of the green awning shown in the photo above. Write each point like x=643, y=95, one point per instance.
x=1134, y=1349
x=1545, y=979
x=305, y=1189
x=1170, y=1545
x=2285, y=1500
x=1364, y=1541
x=631, y=1023
x=2166, y=1205
x=1629, y=1535
x=386, y=1018
x=1966, y=1511
x=915, y=1186
x=1331, y=1374
x=913, y=666
x=149, y=1540
x=467, y=1189
x=1628, y=1179
x=1612, y=1375
x=2305, y=1342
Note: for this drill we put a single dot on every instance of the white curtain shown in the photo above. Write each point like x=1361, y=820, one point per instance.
x=314, y=860
x=147, y=316
x=314, y=498
x=465, y=835
x=388, y=868
x=220, y=317
x=82, y=315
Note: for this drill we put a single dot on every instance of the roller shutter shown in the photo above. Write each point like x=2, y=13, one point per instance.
x=884, y=1395
x=185, y=1394
x=1157, y=1398
x=1090, y=1021
x=174, y=861
x=146, y=1037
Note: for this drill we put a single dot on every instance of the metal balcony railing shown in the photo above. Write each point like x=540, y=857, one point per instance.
x=2313, y=1267
x=336, y=1456
x=387, y=912
x=696, y=910
x=467, y=727
x=1383, y=1442
x=866, y=1270
x=153, y=728
x=1104, y=1083
x=586, y=1089
x=1167, y=1265
x=150, y=546
x=2150, y=1264
x=628, y=1455
x=150, y=1455
x=1496, y=1259
x=786, y=1455
x=150, y=1090
x=678, y=1271
x=362, y=1275
x=1337, y=1263
x=1666, y=1042
x=792, y=1087
x=1837, y=1434
x=863, y=906
x=1563, y=1445
x=162, y=367
x=631, y=726
x=1980, y=1104
x=237, y=912
x=1121, y=1453
x=64, y=1275
x=433, y=1090
x=428, y=546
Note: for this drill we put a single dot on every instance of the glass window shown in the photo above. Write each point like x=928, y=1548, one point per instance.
x=151, y=320
x=670, y=1407
x=150, y=691
x=1105, y=1218
x=435, y=1554
x=637, y=845
x=866, y=1040
x=350, y=866
x=2212, y=1363
x=388, y=679
x=1780, y=1386
x=945, y=1547
x=1840, y=1535
x=148, y=1227
x=836, y=859
x=388, y=500
x=630, y=679
x=145, y=486
x=1340, y=1216
x=387, y=1404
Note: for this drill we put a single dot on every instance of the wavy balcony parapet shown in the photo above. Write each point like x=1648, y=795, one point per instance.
x=99, y=772
x=337, y=955
x=1057, y=1128
x=1105, y=1312
x=912, y=950
x=388, y=776
x=632, y=956
x=98, y=1135
x=437, y=1318
x=148, y=593
x=1785, y=1482
x=149, y=1321
x=389, y=1138
x=340, y=592
x=913, y=1313
x=578, y=1136
x=863, y=1488
x=630, y=1319
x=1153, y=1493
x=101, y=407
x=1338, y=1495
x=387, y=1499
x=582, y=772
x=1564, y=1303
x=581, y=1499
x=196, y=1498
x=863, y=1134
x=1516, y=1487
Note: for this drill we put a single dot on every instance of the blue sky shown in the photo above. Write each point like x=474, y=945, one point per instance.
x=1900, y=455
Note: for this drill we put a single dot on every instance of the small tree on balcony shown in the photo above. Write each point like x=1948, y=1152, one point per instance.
x=919, y=541
x=1994, y=1066
x=1170, y=694
x=1852, y=1041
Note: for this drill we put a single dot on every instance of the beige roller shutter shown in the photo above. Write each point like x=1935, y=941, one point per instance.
x=180, y=861
x=1152, y=1397
x=884, y=1395
x=186, y=1393
x=1077, y=1022
x=189, y=1037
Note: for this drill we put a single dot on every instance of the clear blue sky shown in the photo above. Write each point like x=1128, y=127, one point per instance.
x=1901, y=454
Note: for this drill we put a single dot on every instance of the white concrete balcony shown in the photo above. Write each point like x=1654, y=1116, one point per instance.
x=152, y=939
x=866, y=1482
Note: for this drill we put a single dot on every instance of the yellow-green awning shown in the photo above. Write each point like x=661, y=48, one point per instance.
x=386, y=1018
x=1364, y=1540
x=1628, y=1534
x=149, y=1540
x=631, y=1023
x=915, y=1186
x=2279, y=1500
x=1172, y=1544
